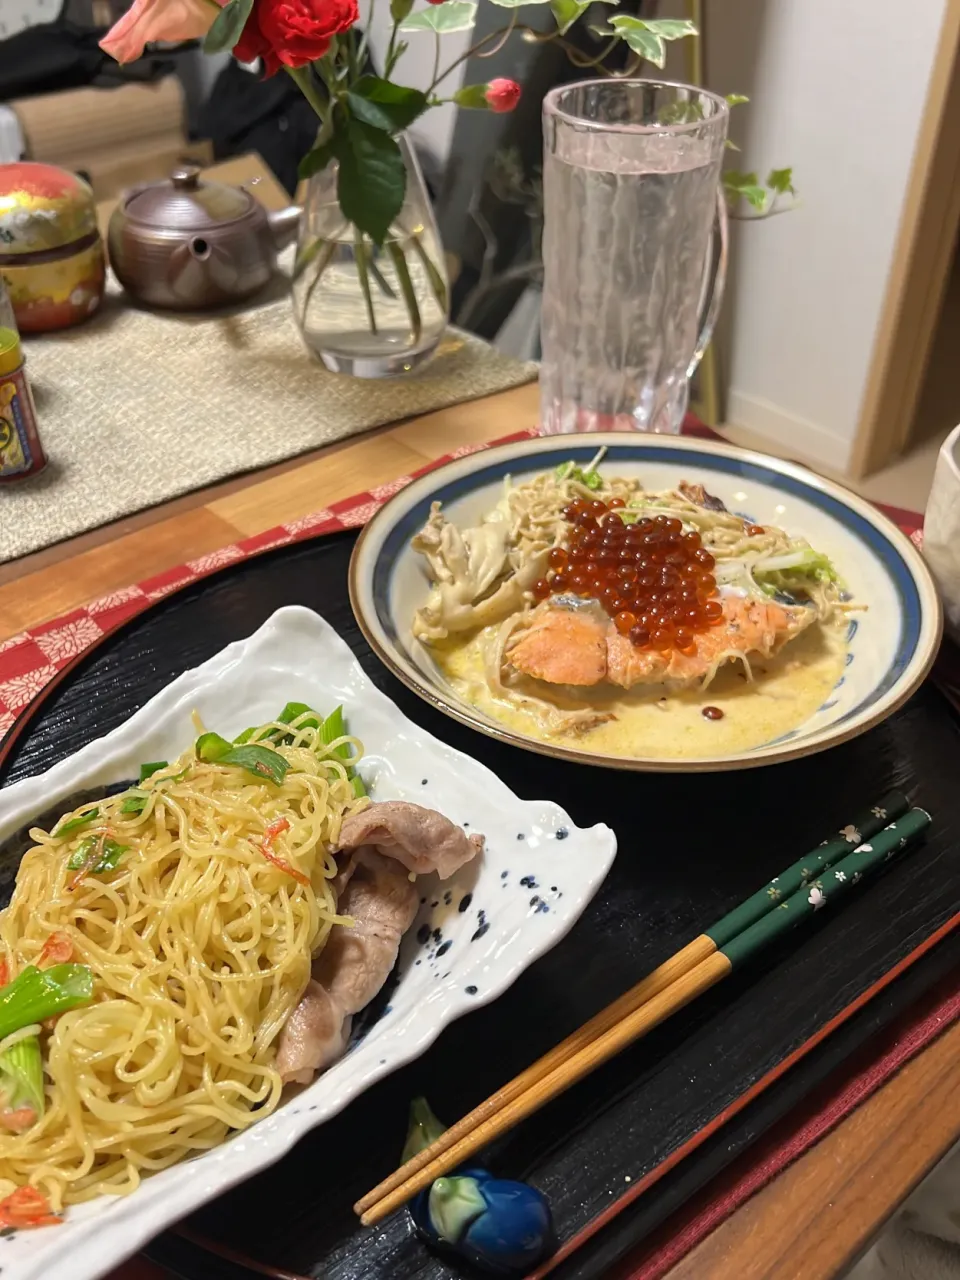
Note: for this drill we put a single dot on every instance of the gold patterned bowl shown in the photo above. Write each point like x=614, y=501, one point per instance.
x=51, y=254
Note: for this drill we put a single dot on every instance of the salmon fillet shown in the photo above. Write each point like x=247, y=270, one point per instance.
x=582, y=647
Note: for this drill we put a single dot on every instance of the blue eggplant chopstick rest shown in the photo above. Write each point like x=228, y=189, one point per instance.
x=500, y=1226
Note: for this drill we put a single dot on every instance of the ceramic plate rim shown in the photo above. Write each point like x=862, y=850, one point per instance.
x=916, y=671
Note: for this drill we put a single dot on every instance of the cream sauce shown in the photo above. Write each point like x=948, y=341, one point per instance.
x=652, y=721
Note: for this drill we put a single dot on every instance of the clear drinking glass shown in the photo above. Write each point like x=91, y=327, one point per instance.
x=631, y=196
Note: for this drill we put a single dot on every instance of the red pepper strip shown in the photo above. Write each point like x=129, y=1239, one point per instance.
x=18, y=1119
x=93, y=857
x=57, y=949
x=269, y=835
x=27, y=1207
x=4, y=973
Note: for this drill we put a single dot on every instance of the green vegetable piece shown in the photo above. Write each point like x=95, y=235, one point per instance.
x=247, y=734
x=74, y=824
x=359, y=790
x=295, y=709
x=110, y=855
x=570, y=471
x=335, y=727
x=211, y=747
x=21, y=1075
x=134, y=802
x=148, y=770
x=35, y=995
x=260, y=761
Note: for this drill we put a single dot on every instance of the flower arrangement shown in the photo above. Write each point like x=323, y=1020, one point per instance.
x=361, y=114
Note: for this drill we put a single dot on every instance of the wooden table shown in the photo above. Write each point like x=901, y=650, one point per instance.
x=827, y=1206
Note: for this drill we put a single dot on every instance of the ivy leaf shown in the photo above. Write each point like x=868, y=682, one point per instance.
x=453, y=15
x=735, y=99
x=385, y=105
x=781, y=181
x=746, y=185
x=227, y=26
x=372, y=180
x=567, y=12
x=647, y=37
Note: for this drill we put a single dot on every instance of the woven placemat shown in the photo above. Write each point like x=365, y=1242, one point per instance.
x=136, y=407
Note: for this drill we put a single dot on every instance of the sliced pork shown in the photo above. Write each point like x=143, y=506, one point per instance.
x=420, y=839
x=381, y=899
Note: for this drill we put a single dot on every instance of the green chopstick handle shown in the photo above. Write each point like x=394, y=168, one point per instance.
x=807, y=868
x=835, y=880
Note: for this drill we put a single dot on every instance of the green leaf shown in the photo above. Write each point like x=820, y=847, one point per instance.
x=74, y=824
x=746, y=185
x=399, y=9
x=110, y=854
x=227, y=26
x=260, y=761
x=781, y=181
x=671, y=28
x=567, y=12
x=647, y=37
x=473, y=96
x=148, y=770
x=453, y=15
x=387, y=106
x=680, y=113
x=735, y=99
x=316, y=160
x=38, y=994
x=372, y=178
x=134, y=802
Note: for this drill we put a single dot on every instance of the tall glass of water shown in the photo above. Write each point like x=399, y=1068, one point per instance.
x=634, y=251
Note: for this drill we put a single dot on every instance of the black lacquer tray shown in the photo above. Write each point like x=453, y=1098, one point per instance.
x=675, y=1109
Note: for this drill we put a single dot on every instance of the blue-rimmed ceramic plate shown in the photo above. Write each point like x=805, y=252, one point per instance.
x=890, y=645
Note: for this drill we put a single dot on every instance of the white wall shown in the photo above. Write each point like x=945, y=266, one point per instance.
x=838, y=90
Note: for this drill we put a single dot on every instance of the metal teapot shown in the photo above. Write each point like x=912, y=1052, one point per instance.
x=189, y=244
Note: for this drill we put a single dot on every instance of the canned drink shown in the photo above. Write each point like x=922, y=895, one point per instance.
x=21, y=453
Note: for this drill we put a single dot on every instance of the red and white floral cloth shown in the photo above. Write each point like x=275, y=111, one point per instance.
x=30, y=659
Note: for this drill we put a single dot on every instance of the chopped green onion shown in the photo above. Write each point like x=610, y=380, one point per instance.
x=211, y=747
x=333, y=728
x=570, y=471
x=21, y=1075
x=38, y=994
x=247, y=734
x=134, y=801
x=110, y=854
x=359, y=790
x=293, y=710
x=74, y=824
x=258, y=760
x=148, y=770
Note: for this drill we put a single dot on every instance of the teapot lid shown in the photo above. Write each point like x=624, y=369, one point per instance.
x=186, y=203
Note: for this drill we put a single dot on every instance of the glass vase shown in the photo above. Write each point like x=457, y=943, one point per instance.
x=632, y=280
x=373, y=311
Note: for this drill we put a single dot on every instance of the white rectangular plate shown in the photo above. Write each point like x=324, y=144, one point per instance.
x=297, y=656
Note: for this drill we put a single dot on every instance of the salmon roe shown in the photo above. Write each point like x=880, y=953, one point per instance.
x=653, y=580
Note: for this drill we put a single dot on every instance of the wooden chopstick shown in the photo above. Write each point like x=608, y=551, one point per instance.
x=683, y=977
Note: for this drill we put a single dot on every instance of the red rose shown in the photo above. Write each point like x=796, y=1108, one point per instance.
x=292, y=33
x=502, y=95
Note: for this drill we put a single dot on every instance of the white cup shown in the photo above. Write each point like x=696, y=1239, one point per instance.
x=941, y=530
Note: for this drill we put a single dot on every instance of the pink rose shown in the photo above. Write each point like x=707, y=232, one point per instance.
x=149, y=20
x=502, y=95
